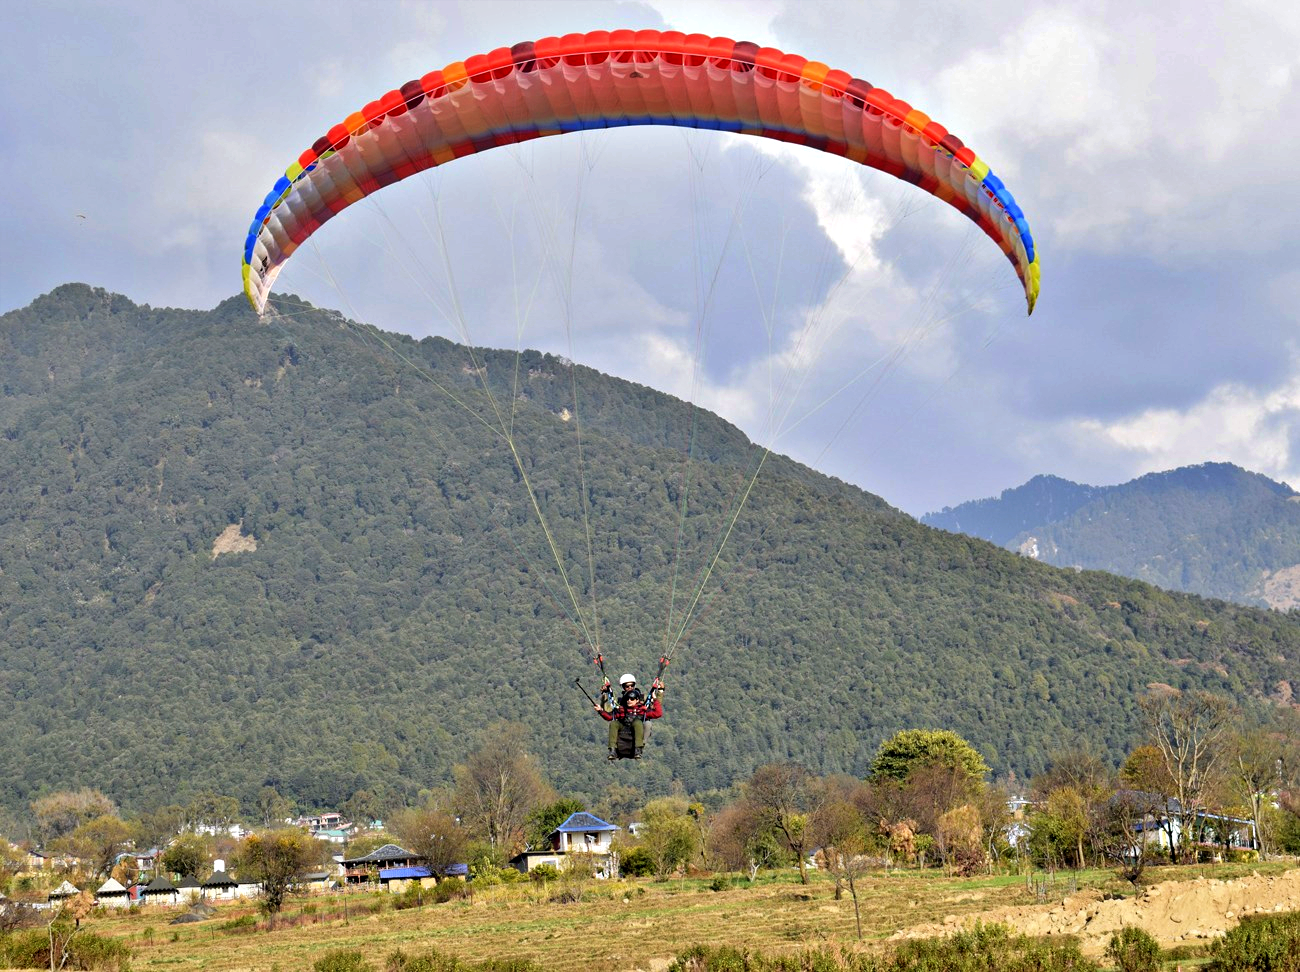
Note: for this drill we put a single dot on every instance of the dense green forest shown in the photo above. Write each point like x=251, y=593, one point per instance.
x=1213, y=529
x=402, y=598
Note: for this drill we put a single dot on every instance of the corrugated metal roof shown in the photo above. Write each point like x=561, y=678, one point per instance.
x=389, y=873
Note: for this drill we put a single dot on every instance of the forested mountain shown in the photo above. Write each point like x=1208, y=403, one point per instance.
x=237, y=553
x=1213, y=529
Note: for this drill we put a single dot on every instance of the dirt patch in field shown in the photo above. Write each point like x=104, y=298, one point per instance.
x=1175, y=912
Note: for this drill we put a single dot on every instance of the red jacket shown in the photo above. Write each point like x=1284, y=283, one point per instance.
x=638, y=709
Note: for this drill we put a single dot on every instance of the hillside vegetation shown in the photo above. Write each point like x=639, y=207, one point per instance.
x=385, y=592
x=1213, y=529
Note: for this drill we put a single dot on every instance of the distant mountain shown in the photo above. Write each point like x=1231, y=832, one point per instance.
x=1213, y=529
x=289, y=552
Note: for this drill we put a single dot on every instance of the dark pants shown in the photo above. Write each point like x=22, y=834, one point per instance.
x=638, y=733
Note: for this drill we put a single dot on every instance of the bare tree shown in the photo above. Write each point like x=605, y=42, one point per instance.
x=845, y=840
x=433, y=834
x=1121, y=828
x=498, y=786
x=62, y=812
x=740, y=839
x=785, y=796
x=1189, y=729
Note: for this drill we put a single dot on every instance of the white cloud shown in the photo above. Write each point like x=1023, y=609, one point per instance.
x=1126, y=125
x=1241, y=425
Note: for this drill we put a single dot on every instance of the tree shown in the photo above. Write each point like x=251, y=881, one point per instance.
x=960, y=839
x=1121, y=828
x=433, y=834
x=498, y=787
x=363, y=844
x=1188, y=728
x=669, y=836
x=1059, y=827
x=739, y=839
x=907, y=750
x=213, y=811
x=187, y=856
x=1145, y=772
x=60, y=813
x=98, y=841
x=365, y=806
x=543, y=821
x=995, y=821
x=844, y=837
x=785, y=799
x=1083, y=783
x=154, y=828
x=1252, y=771
x=278, y=859
x=273, y=810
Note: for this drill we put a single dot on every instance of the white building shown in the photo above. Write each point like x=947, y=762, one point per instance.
x=583, y=833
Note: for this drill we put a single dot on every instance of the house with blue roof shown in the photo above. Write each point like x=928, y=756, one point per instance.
x=582, y=836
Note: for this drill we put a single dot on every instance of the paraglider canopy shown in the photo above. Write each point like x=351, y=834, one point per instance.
x=608, y=79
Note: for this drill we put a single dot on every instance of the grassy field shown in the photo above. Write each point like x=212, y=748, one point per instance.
x=617, y=926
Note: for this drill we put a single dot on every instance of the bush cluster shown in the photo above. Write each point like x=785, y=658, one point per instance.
x=353, y=960
x=1134, y=950
x=979, y=950
x=1261, y=943
x=31, y=950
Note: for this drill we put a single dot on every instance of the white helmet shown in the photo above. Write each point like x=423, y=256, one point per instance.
x=624, y=679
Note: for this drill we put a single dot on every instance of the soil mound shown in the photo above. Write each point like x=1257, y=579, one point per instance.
x=1173, y=912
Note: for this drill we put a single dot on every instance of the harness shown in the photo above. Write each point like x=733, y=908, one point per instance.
x=632, y=704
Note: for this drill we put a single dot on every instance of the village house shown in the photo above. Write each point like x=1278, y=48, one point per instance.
x=582, y=833
x=160, y=891
x=1160, y=826
x=359, y=870
x=220, y=886
x=112, y=894
x=325, y=825
x=63, y=892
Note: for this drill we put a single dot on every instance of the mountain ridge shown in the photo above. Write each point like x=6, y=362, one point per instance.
x=1212, y=528
x=401, y=597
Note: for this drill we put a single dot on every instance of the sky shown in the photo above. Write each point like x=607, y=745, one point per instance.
x=834, y=313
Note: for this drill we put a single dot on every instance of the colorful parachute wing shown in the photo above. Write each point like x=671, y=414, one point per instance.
x=608, y=79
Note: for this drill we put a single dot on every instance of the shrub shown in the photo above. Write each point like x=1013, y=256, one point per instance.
x=26, y=950
x=1133, y=950
x=1261, y=943
x=343, y=960
x=450, y=889
x=720, y=883
x=31, y=950
x=636, y=862
x=435, y=961
x=412, y=897
x=543, y=873
x=980, y=950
